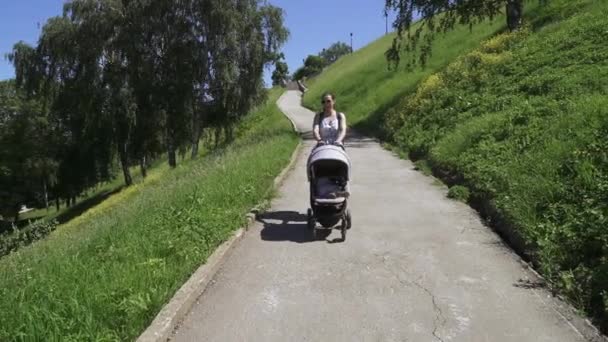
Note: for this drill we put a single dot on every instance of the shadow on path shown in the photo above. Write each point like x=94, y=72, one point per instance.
x=287, y=226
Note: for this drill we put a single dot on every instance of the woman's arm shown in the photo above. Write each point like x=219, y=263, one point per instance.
x=315, y=128
x=342, y=128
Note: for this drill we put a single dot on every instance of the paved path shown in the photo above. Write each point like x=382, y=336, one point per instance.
x=415, y=266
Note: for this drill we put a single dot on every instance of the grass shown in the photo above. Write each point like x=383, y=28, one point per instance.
x=93, y=196
x=105, y=275
x=38, y=223
x=366, y=89
x=459, y=192
x=35, y=226
x=100, y=191
x=421, y=165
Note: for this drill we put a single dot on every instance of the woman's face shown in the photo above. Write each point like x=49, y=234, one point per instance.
x=328, y=102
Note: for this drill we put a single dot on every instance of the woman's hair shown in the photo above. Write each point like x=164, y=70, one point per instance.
x=333, y=97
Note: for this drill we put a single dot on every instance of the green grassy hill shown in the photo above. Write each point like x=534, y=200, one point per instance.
x=364, y=86
x=106, y=274
x=517, y=127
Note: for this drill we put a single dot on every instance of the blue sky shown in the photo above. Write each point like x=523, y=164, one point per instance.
x=19, y=21
x=314, y=25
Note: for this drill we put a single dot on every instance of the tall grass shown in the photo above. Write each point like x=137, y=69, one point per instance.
x=105, y=275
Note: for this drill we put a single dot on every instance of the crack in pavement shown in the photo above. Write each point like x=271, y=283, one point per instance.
x=439, y=317
x=437, y=309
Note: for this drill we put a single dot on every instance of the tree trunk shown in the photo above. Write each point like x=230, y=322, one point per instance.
x=230, y=133
x=171, y=152
x=195, y=149
x=171, y=131
x=71, y=199
x=16, y=216
x=196, y=130
x=142, y=167
x=46, y=194
x=196, y=137
x=226, y=134
x=57, y=204
x=514, y=14
x=218, y=132
x=124, y=162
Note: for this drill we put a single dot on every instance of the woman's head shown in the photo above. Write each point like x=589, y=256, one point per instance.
x=328, y=100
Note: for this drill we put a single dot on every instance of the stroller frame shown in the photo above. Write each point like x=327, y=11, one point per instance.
x=332, y=163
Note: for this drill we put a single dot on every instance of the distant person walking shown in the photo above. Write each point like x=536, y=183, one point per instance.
x=301, y=86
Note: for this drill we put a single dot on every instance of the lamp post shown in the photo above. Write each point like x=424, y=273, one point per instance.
x=351, y=42
x=386, y=19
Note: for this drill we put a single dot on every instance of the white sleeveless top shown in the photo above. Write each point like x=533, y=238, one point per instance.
x=329, y=129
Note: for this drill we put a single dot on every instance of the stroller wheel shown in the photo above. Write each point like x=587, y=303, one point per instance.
x=311, y=220
x=343, y=229
x=349, y=219
x=312, y=225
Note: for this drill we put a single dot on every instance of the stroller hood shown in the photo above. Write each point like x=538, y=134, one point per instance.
x=330, y=160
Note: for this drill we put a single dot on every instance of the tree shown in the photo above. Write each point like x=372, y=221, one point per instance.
x=26, y=164
x=281, y=73
x=440, y=16
x=243, y=40
x=312, y=66
x=314, y=63
x=120, y=82
x=335, y=51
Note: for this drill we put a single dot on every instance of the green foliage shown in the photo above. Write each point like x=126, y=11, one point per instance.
x=115, y=84
x=366, y=88
x=12, y=241
x=334, y=52
x=421, y=165
x=460, y=193
x=522, y=121
x=313, y=65
x=280, y=73
x=438, y=17
x=25, y=151
x=105, y=275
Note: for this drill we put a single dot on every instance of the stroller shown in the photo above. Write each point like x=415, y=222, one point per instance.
x=328, y=170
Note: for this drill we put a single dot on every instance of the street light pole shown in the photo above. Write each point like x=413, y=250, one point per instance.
x=351, y=42
x=386, y=19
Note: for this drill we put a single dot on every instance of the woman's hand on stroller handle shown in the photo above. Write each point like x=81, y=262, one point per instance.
x=335, y=143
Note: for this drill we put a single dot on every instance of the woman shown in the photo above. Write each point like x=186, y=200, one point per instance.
x=329, y=126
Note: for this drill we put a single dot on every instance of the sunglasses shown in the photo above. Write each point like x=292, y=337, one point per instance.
x=325, y=101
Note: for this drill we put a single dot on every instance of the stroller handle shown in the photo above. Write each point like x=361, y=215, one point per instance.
x=324, y=142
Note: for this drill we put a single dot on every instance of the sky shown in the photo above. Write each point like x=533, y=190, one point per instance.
x=313, y=24
x=316, y=24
